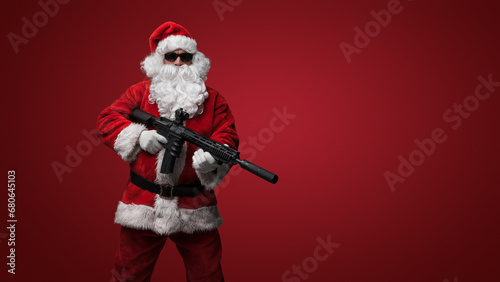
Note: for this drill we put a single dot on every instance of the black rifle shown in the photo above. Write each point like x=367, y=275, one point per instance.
x=176, y=134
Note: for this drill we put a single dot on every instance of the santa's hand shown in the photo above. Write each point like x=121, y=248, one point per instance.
x=204, y=162
x=151, y=142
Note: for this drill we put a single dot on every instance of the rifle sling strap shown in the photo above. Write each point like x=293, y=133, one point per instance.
x=167, y=191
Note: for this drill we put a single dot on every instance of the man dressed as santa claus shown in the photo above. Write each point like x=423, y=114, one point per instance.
x=181, y=205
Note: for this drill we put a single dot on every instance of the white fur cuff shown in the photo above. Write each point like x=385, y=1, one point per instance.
x=126, y=144
x=212, y=179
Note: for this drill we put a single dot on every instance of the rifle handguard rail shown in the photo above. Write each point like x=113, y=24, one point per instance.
x=175, y=130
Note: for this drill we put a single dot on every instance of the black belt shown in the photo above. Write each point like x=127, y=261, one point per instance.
x=167, y=191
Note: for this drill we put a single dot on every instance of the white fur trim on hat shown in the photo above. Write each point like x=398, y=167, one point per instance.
x=175, y=42
x=126, y=144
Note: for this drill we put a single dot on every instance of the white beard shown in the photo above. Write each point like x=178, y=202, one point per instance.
x=175, y=87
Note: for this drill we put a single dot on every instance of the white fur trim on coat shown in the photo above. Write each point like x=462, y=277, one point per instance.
x=126, y=143
x=166, y=218
x=175, y=42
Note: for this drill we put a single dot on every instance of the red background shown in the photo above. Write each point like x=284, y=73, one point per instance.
x=352, y=122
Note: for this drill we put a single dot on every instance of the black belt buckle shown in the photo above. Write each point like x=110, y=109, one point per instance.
x=163, y=188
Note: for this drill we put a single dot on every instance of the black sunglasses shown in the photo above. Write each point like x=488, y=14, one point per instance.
x=172, y=57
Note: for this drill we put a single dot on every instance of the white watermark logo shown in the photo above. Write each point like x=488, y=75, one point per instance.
x=309, y=265
x=29, y=30
x=254, y=144
x=74, y=157
x=221, y=6
x=363, y=37
x=454, y=116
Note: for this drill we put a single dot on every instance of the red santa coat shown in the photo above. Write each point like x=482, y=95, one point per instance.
x=141, y=209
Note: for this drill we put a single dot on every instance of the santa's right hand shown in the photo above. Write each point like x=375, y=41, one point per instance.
x=151, y=142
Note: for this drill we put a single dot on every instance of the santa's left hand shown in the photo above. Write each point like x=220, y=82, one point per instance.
x=204, y=162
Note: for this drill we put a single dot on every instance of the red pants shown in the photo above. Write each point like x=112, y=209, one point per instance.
x=140, y=249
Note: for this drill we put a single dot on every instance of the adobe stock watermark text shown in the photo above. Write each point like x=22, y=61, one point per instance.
x=363, y=36
x=309, y=265
x=30, y=26
x=454, y=117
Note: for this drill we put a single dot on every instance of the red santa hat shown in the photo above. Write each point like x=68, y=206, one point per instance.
x=169, y=37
